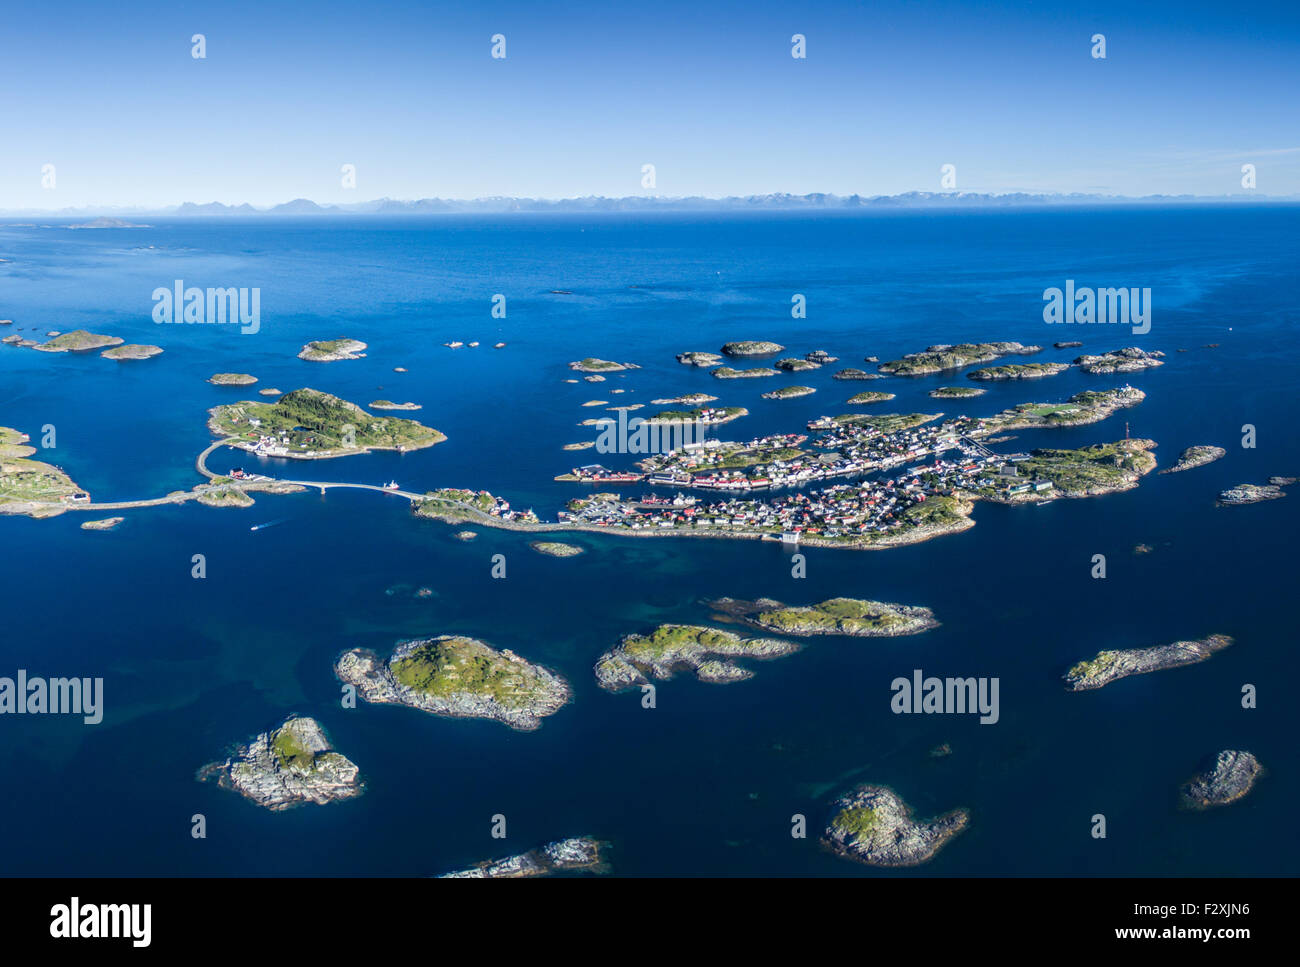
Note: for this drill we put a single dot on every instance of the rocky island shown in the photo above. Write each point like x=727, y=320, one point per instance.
x=581, y=853
x=1109, y=666
x=789, y=393
x=752, y=348
x=956, y=392
x=1080, y=409
x=107, y=524
x=78, y=341
x=699, y=359
x=459, y=677
x=555, y=548
x=1018, y=371
x=132, y=351
x=855, y=374
x=330, y=350
x=1232, y=775
x=873, y=825
x=869, y=397
x=1249, y=494
x=1130, y=360
x=852, y=617
x=706, y=651
x=594, y=365
x=223, y=492
x=794, y=365
x=390, y=405
x=232, y=379
x=690, y=399
x=937, y=359
x=29, y=486
x=287, y=767
x=1194, y=457
x=726, y=372
x=309, y=424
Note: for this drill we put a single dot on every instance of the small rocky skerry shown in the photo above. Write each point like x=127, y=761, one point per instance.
x=873, y=825
x=706, y=651
x=1109, y=666
x=1246, y=493
x=1231, y=776
x=287, y=767
x=576, y=854
x=852, y=617
x=1197, y=456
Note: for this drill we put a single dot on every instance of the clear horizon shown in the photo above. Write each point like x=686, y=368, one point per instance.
x=667, y=203
x=1011, y=97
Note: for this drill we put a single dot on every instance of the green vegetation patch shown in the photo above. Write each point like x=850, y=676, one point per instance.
x=669, y=640
x=935, y=510
x=79, y=340
x=23, y=480
x=870, y=397
x=1098, y=467
x=291, y=753
x=850, y=615
x=788, y=392
x=1019, y=371
x=858, y=821
x=447, y=667
x=479, y=500
x=592, y=364
x=1092, y=667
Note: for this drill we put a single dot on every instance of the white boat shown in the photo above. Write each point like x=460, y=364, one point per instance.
x=391, y=485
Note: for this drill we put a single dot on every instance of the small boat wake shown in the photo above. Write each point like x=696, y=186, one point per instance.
x=269, y=523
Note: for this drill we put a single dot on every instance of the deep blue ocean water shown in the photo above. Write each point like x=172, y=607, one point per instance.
x=706, y=782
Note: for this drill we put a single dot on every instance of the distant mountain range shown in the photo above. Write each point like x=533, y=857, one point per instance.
x=644, y=203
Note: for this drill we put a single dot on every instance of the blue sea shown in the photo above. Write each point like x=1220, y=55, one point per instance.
x=708, y=781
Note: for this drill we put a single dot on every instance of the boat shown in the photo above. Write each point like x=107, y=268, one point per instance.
x=391, y=485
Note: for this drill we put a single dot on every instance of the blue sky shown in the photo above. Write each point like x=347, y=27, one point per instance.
x=890, y=92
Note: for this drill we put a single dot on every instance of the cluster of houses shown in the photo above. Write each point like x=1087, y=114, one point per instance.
x=501, y=508
x=841, y=510
x=852, y=450
x=271, y=446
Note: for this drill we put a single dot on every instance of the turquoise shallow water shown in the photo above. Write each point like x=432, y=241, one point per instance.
x=707, y=781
